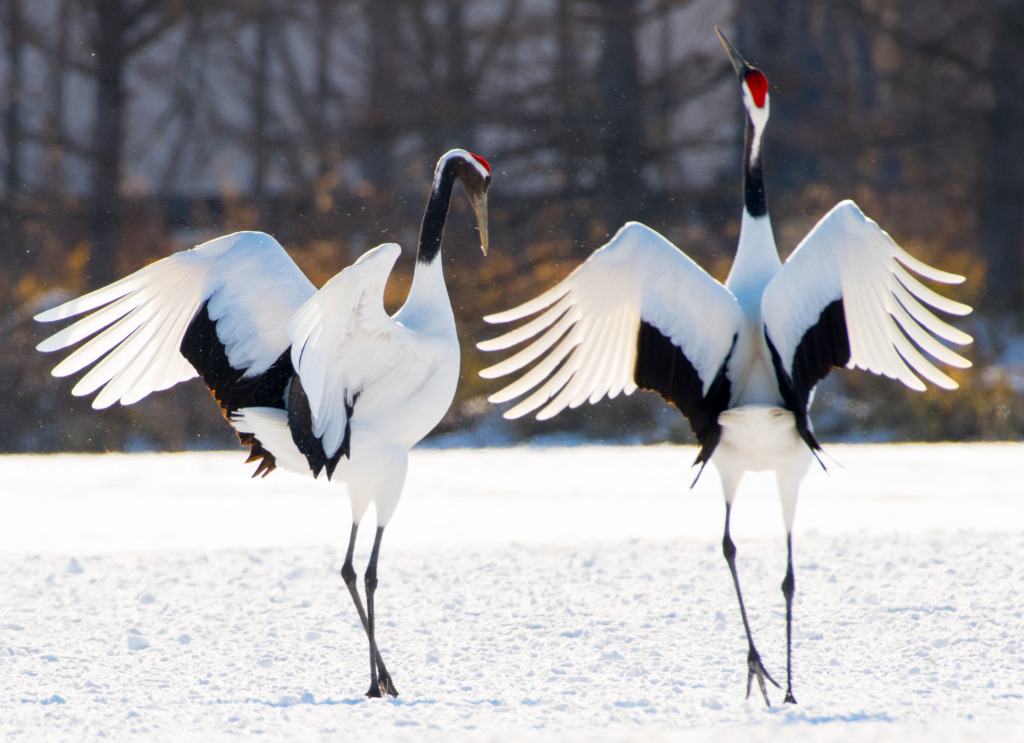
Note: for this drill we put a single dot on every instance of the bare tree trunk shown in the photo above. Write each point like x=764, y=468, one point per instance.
x=119, y=30
x=108, y=140
x=11, y=227
x=569, y=135
x=55, y=84
x=455, y=129
x=379, y=123
x=260, y=107
x=190, y=94
x=1002, y=188
x=618, y=79
x=323, y=130
x=12, y=120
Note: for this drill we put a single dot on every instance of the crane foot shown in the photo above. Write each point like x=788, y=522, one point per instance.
x=384, y=687
x=756, y=668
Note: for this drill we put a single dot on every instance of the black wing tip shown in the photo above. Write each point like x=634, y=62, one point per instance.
x=300, y=422
x=825, y=345
x=703, y=463
x=662, y=367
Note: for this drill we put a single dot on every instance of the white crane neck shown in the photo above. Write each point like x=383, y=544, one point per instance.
x=428, y=305
x=757, y=259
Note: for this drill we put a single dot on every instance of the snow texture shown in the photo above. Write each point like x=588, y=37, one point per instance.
x=561, y=594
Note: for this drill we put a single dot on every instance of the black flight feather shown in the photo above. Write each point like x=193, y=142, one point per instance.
x=230, y=387
x=662, y=367
x=300, y=421
x=824, y=346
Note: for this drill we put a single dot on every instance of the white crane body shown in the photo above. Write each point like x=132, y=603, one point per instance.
x=740, y=360
x=321, y=382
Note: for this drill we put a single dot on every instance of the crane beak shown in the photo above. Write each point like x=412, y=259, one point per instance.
x=479, y=203
x=738, y=63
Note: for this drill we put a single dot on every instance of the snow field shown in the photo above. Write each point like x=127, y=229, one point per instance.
x=207, y=607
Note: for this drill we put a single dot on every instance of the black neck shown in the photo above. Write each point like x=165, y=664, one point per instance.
x=754, y=198
x=436, y=214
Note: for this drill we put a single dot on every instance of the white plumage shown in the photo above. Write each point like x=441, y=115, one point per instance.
x=319, y=382
x=252, y=288
x=638, y=275
x=848, y=256
x=740, y=360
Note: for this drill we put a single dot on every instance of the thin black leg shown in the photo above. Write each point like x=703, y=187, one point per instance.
x=348, y=574
x=380, y=681
x=754, y=665
x=788, y=588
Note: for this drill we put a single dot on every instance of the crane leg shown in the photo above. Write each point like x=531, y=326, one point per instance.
x=754, y=665
x=348, y=574
x=788, y=588
x=380, y=681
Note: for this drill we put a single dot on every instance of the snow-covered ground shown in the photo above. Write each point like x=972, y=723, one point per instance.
x=525, y=594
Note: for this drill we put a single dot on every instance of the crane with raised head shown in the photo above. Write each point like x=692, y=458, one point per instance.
x=739, y=360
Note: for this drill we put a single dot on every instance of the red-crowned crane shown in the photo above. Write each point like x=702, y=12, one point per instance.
x=741, y=360
x=317, y=382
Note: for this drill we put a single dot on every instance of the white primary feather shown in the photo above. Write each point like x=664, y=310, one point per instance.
x=342, y=340
x=848, y=256
x=133, y=338
x=586, y=339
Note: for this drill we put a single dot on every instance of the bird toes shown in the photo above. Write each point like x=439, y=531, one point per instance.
x=387, y=686
x=755, y=669
x=383, y=687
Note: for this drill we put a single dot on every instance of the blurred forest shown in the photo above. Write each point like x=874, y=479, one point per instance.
x=130, y=129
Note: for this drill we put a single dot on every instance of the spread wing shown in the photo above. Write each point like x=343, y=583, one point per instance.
x=344, y=345
x=220, y=309
x=637, y=313
x=846, y=297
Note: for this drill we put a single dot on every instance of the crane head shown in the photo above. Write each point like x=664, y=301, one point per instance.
x=474, y=173
x=752, y=80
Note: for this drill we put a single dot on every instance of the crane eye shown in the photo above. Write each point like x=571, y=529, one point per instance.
x=757, y=84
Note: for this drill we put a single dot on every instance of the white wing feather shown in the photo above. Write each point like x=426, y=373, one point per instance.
x=342, y=339
x=848, y=256
x=586, y=339
x=132, y=339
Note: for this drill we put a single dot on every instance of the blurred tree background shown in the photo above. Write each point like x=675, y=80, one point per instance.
x=135, y=128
